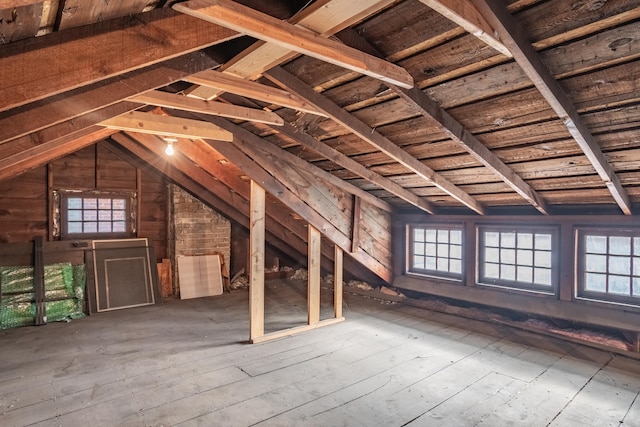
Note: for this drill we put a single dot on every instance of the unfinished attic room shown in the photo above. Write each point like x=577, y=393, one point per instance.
x=319, y=213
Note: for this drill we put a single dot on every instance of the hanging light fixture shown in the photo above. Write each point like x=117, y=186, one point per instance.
x=169, y=150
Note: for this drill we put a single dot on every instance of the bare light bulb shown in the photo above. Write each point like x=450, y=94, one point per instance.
x=169, y=150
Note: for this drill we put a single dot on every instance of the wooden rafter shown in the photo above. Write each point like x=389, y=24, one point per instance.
x=467, y=16
x=356, y=126
x=155, y=124
x=430, y=109
x=229, y=83
x=531, y=63
x=122, y=45
x=264, y=27
x=169, y=100
x=324, y=17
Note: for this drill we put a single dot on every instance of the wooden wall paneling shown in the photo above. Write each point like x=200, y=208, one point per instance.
x=20, y=21
x=256, y=275
x=313, y=280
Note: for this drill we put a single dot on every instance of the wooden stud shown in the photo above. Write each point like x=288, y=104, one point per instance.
x=256, y=276
x=136, y=121
x=264, y=27
x=355, y=224
x=313, y=285
x=38, y=281
x=338, y=266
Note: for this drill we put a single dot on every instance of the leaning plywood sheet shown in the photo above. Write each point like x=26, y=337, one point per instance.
x=199, y=276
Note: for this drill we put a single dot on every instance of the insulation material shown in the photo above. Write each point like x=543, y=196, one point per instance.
x=199, y=276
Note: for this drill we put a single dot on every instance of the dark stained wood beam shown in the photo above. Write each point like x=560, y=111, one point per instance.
x=528, y=59
x=291, y=83
x=264, y=27
x=78, y=102
x=87, y=54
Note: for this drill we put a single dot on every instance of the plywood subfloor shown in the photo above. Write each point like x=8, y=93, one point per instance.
x=187, y=363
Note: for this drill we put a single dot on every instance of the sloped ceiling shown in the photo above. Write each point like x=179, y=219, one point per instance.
x=530, y=104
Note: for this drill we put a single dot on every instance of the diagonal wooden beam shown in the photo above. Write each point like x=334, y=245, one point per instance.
x=169, y=100
x=248, y=89
x=87, y=54
x=155, y=124
x=528, y=59
x=264, y=27
x=38, y=115
x=430, y=109
x=467, y=16
x=359, y=128
x=348, y=163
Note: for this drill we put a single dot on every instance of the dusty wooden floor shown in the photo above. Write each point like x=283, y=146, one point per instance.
x=187, y=363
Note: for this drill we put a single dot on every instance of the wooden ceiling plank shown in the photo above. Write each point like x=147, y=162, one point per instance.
x=529, y=60
x=87, y=54
x=357, y=168
x=169, y=100
x=264, y=27
x=38, y=115
x=293, y=84
x=155, y=124
x=41, y=154
x=229, y=83
x=467, y=16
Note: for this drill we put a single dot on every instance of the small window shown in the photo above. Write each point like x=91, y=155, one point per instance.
x=609, y=265
x=522, y=258
x=435, y=251
x=95, y=214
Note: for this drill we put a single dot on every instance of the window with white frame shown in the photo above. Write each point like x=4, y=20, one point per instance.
x=435, y=250
x=609, y=265
x=521, y=258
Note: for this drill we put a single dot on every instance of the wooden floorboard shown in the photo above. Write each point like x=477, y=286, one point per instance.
x=189, y=363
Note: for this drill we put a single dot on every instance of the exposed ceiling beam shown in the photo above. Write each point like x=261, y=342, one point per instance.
x=180, y=102
x=467, y=16
x=324, y=17
x=78, y=102
x=528, y=59
x=39, y=155
x=87, y=54
x=264, y=27
x=248, y=89
x=430, y=109
x=348, y=163
x=151, y=123
x=361, y=129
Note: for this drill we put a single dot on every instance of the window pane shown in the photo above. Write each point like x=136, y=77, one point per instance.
x=455, y=266
x=90, y=203
x=74, y=215
x=443, y=264
x=104, y=215
x=597, y=244
x=74, y=203
x=430, y=249
x=418, y=234
x=596, y=263
x=620, y=245
x=418, y=248
x=619, y=265
x=90, y=215
x=74, y=227
x=636, y=266
x=443, y=250
x=456, y=237
x=595, y=282
x=492, y=270
x=508, y=240
x=543, y=241
x=456, y=252
x=508, y=272
x=119, y=215
x=430, y=235
x=619, y=285
x=525, y=274
x=525, y=240
x=492, y=239
x=120, y=204
x=418, y=262
x=636, y=287
x=543, y=259
x=443, y=236
x=525, y=257
x=104, y=204
x=430, y=263
x=90, y=227
x=636, y=245
x=508, y=256
x=492, y=255
x=119, y=227
x=104, y=227
x=542, y=276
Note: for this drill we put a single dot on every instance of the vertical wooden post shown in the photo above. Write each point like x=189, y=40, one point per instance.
x=313, y=284
x=138, y=200
x=566, y=252
x=355, y=224
x=256, y=249
x=338, y=256
x=50, y=205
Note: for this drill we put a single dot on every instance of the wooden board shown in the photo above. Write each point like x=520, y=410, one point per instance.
x=199, y=276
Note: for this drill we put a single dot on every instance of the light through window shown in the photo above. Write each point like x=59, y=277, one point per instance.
x=436, y=251
x=95, y=214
